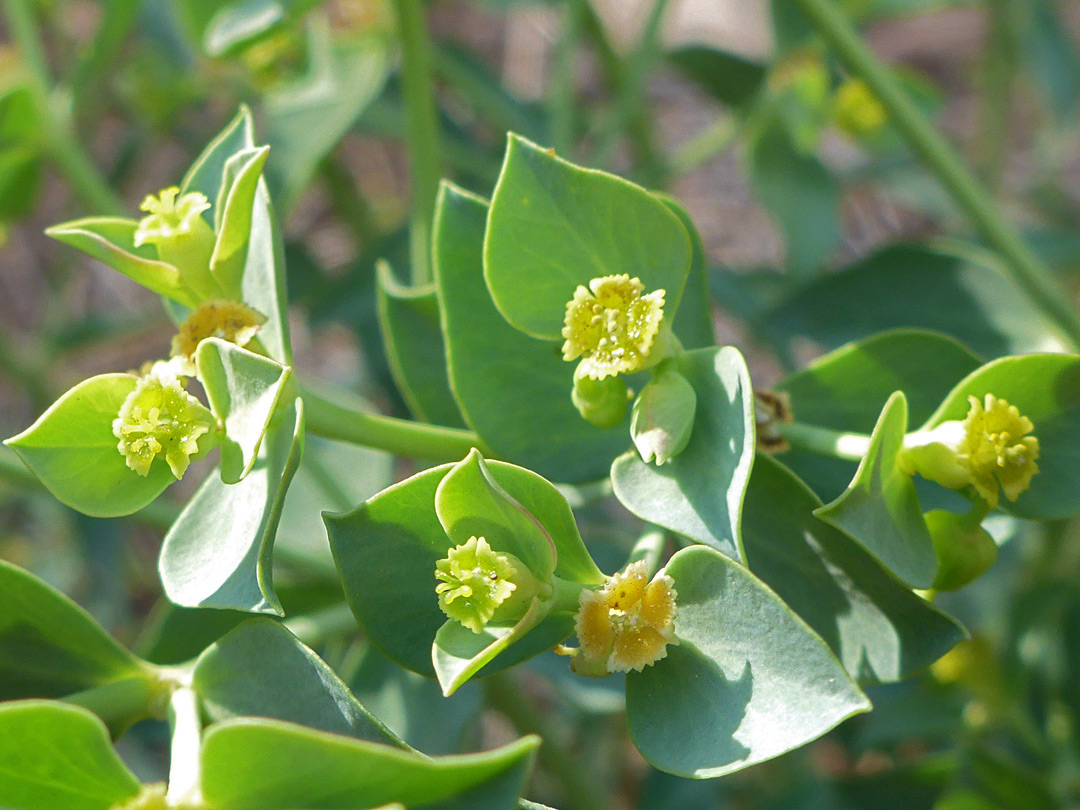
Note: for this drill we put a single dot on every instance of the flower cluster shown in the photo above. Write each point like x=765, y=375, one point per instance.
x=160, y=418
x=475, y=580
x=627, y=624
x=228, y=320
x=170, y=215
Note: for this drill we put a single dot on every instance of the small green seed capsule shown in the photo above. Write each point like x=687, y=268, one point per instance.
x=663, y=417
x=600, y=402
x=965, y=550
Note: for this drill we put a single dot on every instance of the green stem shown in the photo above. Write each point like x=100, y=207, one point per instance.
x=119, y=703
x=1000, y=67
x=421, y=131
x=59, y=140
x=401, y=437
x=562, y=103
x=705, y=145
x=579, y=787
x=1023, y=266
x=825, y=441
x=186, y=751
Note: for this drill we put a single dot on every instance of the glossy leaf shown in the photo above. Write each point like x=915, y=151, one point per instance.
x=699, y=493
x=72, y=449
x=49, y=646
x=232, y=216
x=513, y=390
x=554, y=226
x=269, y=765
x=748, y=680
x=1046, y=389
x=111, y=240
x=387, y=548
x=880, y=508
x=59, y=756
x=243, y=389
x=847, y=388
x=879, y=629
x=412, y=334
x=260, y=669
x=218, y=552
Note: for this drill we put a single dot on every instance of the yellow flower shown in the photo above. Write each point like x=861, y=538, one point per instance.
x=611, y=325
x=160, y=418
x=989, y=448
x=227, y=320
x=169, y=215
x=627, y=624
x=856, y=109
x=474, y=580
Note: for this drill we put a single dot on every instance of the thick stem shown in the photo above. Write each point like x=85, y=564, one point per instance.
x=185, y=772
x=579, y=788
x=1023, y=266
x=119, y=703
x=825, y=441
x=401, y=437
x=421, y=131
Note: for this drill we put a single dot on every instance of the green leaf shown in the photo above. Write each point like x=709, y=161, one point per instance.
x=458, y=653
x=243, y=389
x=879, y=629
x=802, y=196
x=470, y=503
x=263, y=275
x=747, y=681
x=514, y=391
x=305, y=120
x=693, y=324
x=241, y=24
x=57, y=756
x=846, y=389
x=51, y=647
x=386, y=551
x=1046, y=389
x=72, y=449
x=260, y=669
x=232, y=216
x=729, y=78
x=554, y=226
x=20, y=179
x=699, y=493
x=880, y=508
x=218, y=552
x=412, y=333
x=954, y=290
x=268, y=765
x=111, y=240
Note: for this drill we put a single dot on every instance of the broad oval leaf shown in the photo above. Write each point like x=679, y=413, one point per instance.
x=49, y=646
x=269, y=765
x=513, y=390
x=879, y=629
x=747, y=681
x=243, y=389
x=1046, y=389
x=72, y=449
x=554, y=226
x=880, y=508
x=59, y=756
x=699, y=493
x=260, y=669
x=218, y=552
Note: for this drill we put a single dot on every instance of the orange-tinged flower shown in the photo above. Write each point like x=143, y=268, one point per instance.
x=627, y=624
x=228, y=320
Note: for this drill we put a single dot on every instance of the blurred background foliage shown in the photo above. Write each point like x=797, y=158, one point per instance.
x=819, y=225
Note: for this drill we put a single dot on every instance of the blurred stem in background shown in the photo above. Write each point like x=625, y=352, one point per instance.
x=999, y=71
x=58, y=137
x=421, y=132
x=1025, y=268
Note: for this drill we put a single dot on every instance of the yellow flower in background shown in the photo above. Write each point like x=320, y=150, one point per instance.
x=170, y=215
x=160, y=418
x=627, y=624
x=611, y=325
x=857, y=111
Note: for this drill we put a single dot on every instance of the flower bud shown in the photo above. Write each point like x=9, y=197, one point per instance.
x=160, y=418
x=600, y=402
x=663, y=417
x=627, y=624
x=175, y=226
x=989, y=448
x=611, y=326
x=478, y=585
